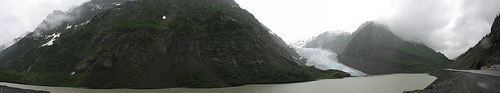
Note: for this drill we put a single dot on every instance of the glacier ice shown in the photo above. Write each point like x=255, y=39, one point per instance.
x=324, y=60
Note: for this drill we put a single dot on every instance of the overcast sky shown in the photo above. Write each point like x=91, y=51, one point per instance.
x=448, y=26
x=18, y=17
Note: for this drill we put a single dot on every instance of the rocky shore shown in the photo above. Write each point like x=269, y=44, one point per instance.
x=462, y=82
x=5, y=89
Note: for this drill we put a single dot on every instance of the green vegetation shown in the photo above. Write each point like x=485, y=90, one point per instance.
x=202, y=43
x=421, y=67
x=484, y=54
x=47, y=79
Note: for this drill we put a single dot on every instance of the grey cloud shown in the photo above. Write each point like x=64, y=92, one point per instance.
x=451, y=28
x=55, y=19
x=20, y=16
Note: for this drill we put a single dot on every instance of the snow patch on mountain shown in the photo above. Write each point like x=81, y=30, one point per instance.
x=335, y=33
x=300, y=43
x=51, y=42
x=69, y=27
x=303, y=43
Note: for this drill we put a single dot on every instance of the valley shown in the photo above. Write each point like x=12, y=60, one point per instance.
x=394, y=83
x=218, y=46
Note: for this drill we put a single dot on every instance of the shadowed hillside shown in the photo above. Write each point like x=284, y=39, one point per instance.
x=374, y=49
x=485, y=53
x=154, y=44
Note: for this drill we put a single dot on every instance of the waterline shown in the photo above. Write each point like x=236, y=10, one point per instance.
x=394, y=83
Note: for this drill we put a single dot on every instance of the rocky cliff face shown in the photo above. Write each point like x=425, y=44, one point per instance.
x=374, y=49
x=154, y=44
x=484, y=54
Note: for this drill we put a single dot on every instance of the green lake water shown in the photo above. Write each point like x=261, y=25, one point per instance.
x=394, y=83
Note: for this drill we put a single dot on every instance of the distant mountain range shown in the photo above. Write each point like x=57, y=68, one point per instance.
x=374, y=49
x=483, y=54
x=335, y=41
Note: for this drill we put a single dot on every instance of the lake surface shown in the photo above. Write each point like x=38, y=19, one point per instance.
x=395, y=83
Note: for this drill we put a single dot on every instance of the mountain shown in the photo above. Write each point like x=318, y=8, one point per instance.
x=299, y=44
x=335, y=41
x=154, y=44
x=55, y=23
x=374, y=49
x=2, y=47
x=483, y=54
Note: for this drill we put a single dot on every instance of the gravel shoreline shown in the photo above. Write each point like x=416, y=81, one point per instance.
x=5, y=89
x=461, y=82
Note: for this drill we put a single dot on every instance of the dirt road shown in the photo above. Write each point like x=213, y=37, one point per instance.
x=464, y=81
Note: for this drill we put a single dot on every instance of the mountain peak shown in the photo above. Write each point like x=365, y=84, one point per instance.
x=496, y=25
x=374, y=27
x=333, y=33
x=57, y=12
x=374, y=46
x=373, y=24
x=300, y=43
x=332, y=40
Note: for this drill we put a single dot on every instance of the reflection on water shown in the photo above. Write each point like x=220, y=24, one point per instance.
x=395, y=83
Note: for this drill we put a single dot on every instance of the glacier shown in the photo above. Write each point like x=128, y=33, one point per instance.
x=325, y=59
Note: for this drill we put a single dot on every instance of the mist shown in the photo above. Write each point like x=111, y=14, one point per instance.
x=19, y=17
x=447, y=26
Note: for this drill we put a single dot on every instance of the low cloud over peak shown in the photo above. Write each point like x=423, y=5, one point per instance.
x=448, y=26
x=17, y=17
